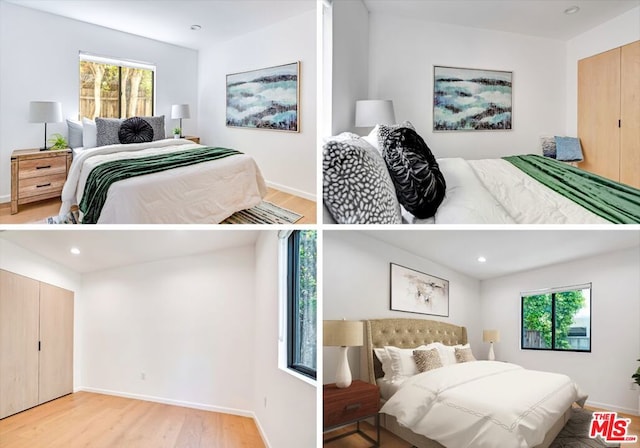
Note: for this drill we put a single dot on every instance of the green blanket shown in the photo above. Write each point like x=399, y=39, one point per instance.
x=610, y=200
x=102, y=176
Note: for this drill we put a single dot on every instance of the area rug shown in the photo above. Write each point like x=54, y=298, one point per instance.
x=575, y=434
x=263, y=213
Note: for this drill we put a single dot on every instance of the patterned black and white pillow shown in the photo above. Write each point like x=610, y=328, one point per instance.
x=384, y=131
x=357, y=188
x=420, y=186
x=107, y=130
x=548, y=145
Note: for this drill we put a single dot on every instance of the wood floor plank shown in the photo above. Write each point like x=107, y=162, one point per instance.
x=37, y=211
x=93, y=420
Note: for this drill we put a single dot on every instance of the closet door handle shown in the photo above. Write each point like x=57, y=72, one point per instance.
x=39, y=345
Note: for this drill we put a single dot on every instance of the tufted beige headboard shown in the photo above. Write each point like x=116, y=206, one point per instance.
x=403, y=333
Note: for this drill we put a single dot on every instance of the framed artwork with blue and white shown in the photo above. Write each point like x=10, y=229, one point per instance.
x=267, y=98
x=467, y=99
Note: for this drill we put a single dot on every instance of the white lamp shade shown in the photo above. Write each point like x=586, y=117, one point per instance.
x=180, y=111
x=45, y=112
x=342, y=333
x=490, y=336
x=373, y=112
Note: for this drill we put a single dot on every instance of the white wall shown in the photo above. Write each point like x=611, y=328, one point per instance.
x=605, y=373
x=287, y=160
x=401, y=58
x=14, y=258
x=279, y=396
x=39, y=62
x=356, y=287
x=350, y=34
x=187, y=323
x=616, y=32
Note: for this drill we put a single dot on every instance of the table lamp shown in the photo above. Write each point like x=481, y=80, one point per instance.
x=343, y=334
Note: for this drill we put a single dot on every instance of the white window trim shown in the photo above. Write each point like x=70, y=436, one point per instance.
x=84, y=56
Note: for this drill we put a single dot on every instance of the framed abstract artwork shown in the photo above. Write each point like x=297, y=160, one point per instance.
x=416, y=292
x=267, y=98
x=471, y=100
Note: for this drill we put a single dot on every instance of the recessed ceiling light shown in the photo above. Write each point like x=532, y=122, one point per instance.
x=75, y=251
x=198, y=27
x=572, y=10
x=481, y=259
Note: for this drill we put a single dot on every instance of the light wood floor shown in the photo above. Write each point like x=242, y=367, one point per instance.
x=40, y=210
x=92, y=420
x=389, y=440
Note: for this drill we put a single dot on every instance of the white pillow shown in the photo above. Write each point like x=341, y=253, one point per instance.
x=89, y=133
x=448, y=353
x=75, y=133
x=402, y=363
x=385, y=360
x=372, y=138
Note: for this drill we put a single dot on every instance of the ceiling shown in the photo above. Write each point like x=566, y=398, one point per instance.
x=507, y=252
x=170, y=20
x=105, y=249
x=543, y=18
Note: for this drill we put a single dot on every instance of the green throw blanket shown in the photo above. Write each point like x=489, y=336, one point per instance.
x=102, y=176
x=610, y=200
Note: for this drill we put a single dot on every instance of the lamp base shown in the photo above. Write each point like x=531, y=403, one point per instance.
x=44, y=149
x=492, y=356
x=343, y=373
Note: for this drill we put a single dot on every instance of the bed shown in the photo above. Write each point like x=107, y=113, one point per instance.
x=409, y=333
x=206, y=192
x=523, y=189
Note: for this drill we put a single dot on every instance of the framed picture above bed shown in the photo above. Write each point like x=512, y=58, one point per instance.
x=416, y=292
x=471, y=100
x=267, y=98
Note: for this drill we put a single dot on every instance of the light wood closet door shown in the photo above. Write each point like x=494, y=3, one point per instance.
x=56, y=336
x=630, y=113
x=598, y=113
x=18, y=343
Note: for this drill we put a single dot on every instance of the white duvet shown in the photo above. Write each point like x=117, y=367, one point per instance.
x=483, y=404
x=204, y=193
x=493, y=191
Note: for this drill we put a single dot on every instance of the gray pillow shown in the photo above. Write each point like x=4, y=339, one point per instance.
x=107, y=131
x=157, y=124
x=75, y=133
x=357, y=188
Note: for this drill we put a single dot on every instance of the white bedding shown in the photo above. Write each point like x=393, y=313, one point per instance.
x=483, y=404
x=493, y=191
x=204, y=193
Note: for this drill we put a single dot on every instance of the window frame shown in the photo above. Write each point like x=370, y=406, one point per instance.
x=553, y=292
x=293, y=302
x=120, y=63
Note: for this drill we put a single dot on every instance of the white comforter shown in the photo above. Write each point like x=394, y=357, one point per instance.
x=204, y=193
x=493, y=191
x=483, y=404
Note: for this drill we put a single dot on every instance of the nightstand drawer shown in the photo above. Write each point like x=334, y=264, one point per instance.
x=347, y=410
x=36, y=186
x=46, y=166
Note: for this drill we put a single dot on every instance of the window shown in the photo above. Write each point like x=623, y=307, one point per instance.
x=557, y=319
x=111, y=88
x=301, y=302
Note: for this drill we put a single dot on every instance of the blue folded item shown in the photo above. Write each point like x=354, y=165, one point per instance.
x=568, y=149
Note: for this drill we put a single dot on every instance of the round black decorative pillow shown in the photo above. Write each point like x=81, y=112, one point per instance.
x=135, y=130
x=420, y=186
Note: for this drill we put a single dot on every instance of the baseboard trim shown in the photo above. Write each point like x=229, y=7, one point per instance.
x=302, y=194
x=612, y=407
x=6, y=198
x=261, y=431
x=185, y=404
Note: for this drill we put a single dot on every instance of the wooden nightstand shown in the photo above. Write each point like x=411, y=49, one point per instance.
x=351, y=405
x=192, y=138
x=37, y=175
